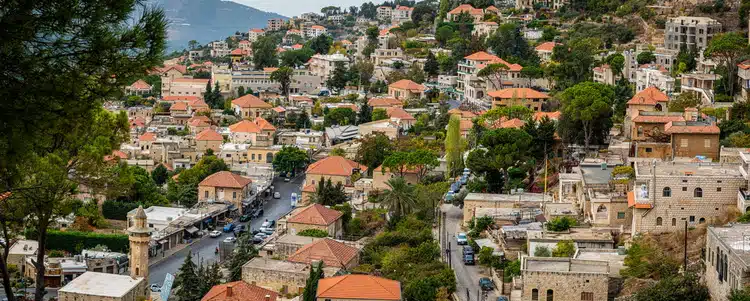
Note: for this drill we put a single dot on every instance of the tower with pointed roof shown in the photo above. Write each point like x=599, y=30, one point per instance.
x=139, y=235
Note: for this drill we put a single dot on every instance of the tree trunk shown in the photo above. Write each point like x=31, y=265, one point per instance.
x=586, y=135
x=39, y=264
x=4, y=270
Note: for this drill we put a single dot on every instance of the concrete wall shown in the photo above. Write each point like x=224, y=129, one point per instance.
x=314, y=179
x=335, y=229
x=275, y=280
x=738, y=277
x=138, y=291
x=202, y=146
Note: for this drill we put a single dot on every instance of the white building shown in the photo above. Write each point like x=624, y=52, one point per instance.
x=401, y=14
x=322, y=65
x=654, y=76
x=219, y=48
x=254, y=34
x=303, y=80
x=484, y=28
x=314, y=31
x=384, y=13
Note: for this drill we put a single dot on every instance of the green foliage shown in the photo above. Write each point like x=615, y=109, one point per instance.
x=117, y=210
x=75, y=241
x=283, y=76
x=687, y=287
x=264, y=53
x=311, y=286
x=745, y=218
x=339, y=78
x=727, y=48
x=243, y=252
x=482, y=223
x=431, y=67
x=160, y=174
x=586, y=112
x=340, y=116
x=454, y=146
x=210, y=275
x=504, y=150
x=739, y=295
x=289, y=159
x=645, y=260
x=487, y=259
x=645, y=57
x=575, y=60
x=313, y=233
x=683, y=101
x=320, y=44
x=373, y=150
x=542, y=251
x=477, y=185
x=508, y=43
x=542, y=133
x=399, y=197
x=608, y=33
x=379, y=114
x=187, y=283
x=561, y=223
x=623, y=171
x=329, y=194
x=564, y=248
x=511, y=270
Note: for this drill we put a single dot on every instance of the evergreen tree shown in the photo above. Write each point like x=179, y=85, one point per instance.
x=311, y=286
x=240, y=91
x=303, y=121
x=186, y=283
x=365, y=114
x=243, y=252
x=217, y=101
x=339, y=78
x=208, y=95
x=431, y=66
x=160, y=174
x=454, y=146
x=210, y=277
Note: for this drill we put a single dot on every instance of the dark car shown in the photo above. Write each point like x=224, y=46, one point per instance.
x=502, y=298
x=245, y=218
x=468, y=250
x=257, y=240
x=486, y=284
x=240, y=229
x=257, y=213
x=469, y=259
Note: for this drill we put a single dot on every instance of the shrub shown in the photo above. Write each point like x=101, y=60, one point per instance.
x=511, y=269
x=564, y=248
x=561, y=223
x=117, y=210
x=75, y=241
x=542, y=251
x=313, y=233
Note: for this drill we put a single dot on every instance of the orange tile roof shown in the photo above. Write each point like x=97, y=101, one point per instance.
x=631, y=202
x=744, y=65
x=601, y=68
x=270, y=69
x=198, y=103
x=137, y=122
x=316, y=214
x=309, y=188
x=399, y=113
x=225, y=179
x=209, y=135
x=332, y=253
x=492, y=8
x=318, y=27
x=258, y=30
x=264, y=125
x=384, y=102
x=116, y=154
x=279, y=109
x=514, y=123
x=244, y=42
x=140, y=85
x=148, y=136
x=546, y=46
x=244, y=126
x=345, y=42
x=179, y=97
x=466, y=125
x=334, y=166
x=406, y=84
x=178, y=106
x=179, y=68
x=238, y=51
x=201, y=117
x=462, y=113
x=551, y=115
x=301, y=98
x=657, y=119
x=297, y=46
x=683, y=128
x=358, y=286
x=482, y=56
x=240, y=291
x=461, y=8
x=518, y=93
x=251, y=101
x=399, y=7
x=197, y=123
x=649, y=96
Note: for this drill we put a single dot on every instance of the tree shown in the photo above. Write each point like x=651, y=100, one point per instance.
x=542, y=133
x=243, y=252
x=617, y=63
x=337, y=152
x=623, y=93
x=727, y=48
x=645, y=57
x=311, y=286
x=339, y=77
x=210, y=276
x=739, y=295
x=193, y=44
x=340, y=116
x=542, y=251
x=296, y=58
x=365, y=114
x=445, y=6
x=494, y=73
x=283, y=75
x=587, y=104
x=396, y=163
x=160, y=174
x=379, y=114
x=416, y=74
x=683, y=101
x=561, y=223
x=373, y=150
x=399, y=197
x=504, y=150
x=187, y=285
x=328, y=194
x=687, y=287
x=423, y=160
x=454, y=146
x=217, y=101
x=508, y=43
x=303, y=121
x=320, y=44
x=289, y=159
x=264, y=53
x=431, y=66
x=564, y=248
x=444, y=34
x=573, y=62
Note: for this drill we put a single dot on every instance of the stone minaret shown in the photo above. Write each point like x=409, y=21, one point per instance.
x=139, y=235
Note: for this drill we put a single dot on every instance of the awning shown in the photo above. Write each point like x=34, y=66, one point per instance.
x=163, y=242
x=192, y=230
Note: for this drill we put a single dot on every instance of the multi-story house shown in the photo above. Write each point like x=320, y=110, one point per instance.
x=383, y=54
x=224, y=186
x=473, y=88
x=406, y=89
x=303, y=80
x=700, y=84
x=476, y=13
x=314, y=31
x=649, y=100
x=727, y=260
x=306, y=139
x=401, y=14
x=254, y=34
x=258, y=132
x=603, y=74
x=743, y=75
x=275, y=24
x=185, y=87
x=322, y=65
x=219, y=48
x=384, y=13
x=250, y=107
x=690, y=31
x=649, y=75
x=484, y=28
x=544, y=50
x=526, y=97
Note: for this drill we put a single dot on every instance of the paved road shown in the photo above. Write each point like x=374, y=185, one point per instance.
x=467, y=276
x=204, y=249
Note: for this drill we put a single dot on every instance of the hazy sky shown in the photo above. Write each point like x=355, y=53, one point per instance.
x=292, y=8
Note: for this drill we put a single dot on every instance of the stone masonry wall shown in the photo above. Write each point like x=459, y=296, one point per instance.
x=565, y=286
x=738, y=276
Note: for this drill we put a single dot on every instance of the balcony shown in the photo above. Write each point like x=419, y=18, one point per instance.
x=743, y=200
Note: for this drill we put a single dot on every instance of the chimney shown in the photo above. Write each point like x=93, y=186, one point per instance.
x=229, y=290
x=268, y=297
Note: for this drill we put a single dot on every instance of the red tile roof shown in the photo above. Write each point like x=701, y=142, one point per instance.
x=179, y=98
x=334, y=166
x=239, y=51
x=357, y=286
x=384, y=102
x=140, y=85
x=406, y=84
x=464, y=8
x=178, y=106
x=116, y=154
x=482, y=56
x=264, y=125
x=318, y=27
x=198, y=103
x=239, y=291
x=466, y=125
x=744, y=65
x=251, y=101
x=601, y=68
x=225, y=179
x=180, y=68
x=297, y=46
x=257, y=30
x=649, y=96
x=309, y=188
x=551, y=115
x=244, y=126
x=518, y=93
x=399, y=113
x=546, y=46
x=631, y=202
x=148, y=136
x=332, y=253
x=462, y=113
x=683, y=128
x=279, y=109
x=316, y=214
x=209, y=135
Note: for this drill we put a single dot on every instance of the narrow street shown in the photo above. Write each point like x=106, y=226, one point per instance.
x=203, y=249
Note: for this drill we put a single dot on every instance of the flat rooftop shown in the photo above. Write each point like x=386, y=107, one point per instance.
x=268, y=264
x=164, y=214
x=517, y=197
x=736, y=237
x=24, y=247
x=616, y=261
x=575, y=234
x=560, y=209
x=595, y=174
x=101, y=284
x=565, y=265
x=681, y=169
x=296, y=239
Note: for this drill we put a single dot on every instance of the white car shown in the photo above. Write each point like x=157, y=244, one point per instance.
x=230, y=239
x=261, y=235
x=276, y=195
x=215, y=234
x=461, y=239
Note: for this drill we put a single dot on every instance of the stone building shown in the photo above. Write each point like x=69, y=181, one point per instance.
x=316, y=216
x=358, y=287
x=666, y=194
x=564, y=279
x=475, y=201
x=93, y=286
x=278, y=275
x=727, y=260
x=288, y=244
x=225, y=186
x=331, y=252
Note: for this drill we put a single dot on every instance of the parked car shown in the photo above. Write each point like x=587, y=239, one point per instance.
x=461, y=238
x=268, y=227
x=258, y=212
x=229, y=227
x=257, y=240
x=468, y=250
x=502, y=298
x=286, y=179
x=469, y=259
x=230, y=239
x=240, y=229
x=215, y=234
x=277, y=195
x=245, y=218
x=260, y=236
x=449, y=196
x=155, y=288
x=464, y=179
x=486, y=284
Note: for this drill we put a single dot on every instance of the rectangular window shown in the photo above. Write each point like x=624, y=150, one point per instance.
x=620, y=215
x=718, y=189
x=684, y=188
x=692, y=218
x=234, y=195
x=683, y=142
x=587, y=296
x=707, y=143
x=648, y=150
x=205, y=194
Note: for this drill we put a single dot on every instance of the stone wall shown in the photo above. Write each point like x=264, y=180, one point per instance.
x=738, y=276
x=335, y=229
x=565, y=286
x=293, y=281
x=469, y=206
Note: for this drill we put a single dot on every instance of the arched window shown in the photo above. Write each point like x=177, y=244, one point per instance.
x=658, y=221
x=698, y=192
x=702, y=221
x=535, y=294
x=667, y=192
x=550, y=295
x=658, y=107
x=674, y=222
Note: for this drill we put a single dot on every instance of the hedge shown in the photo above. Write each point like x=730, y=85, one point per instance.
x=313, y=233
x=75, y=241
x=117, y=210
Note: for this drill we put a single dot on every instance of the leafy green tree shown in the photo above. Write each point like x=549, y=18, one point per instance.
x=340, y=116
x=542, y=251
x=494, y=73
x=645, y=57
x=416, y=74
x=397, y=163
x=303, y=121
x=264, y=53
x=644, y=260
x=586, y=105
x=688, y=57
x=444, y=7
x=289, y=159
x=379, y=114
x=542, y=133
x=508, y=43
x=454, y=146
x=283, y=76
x=311, y=286
x=504, y=149
x=728, y=48
x=431, y=67
x=739, y=295
x=243, y=252
x=549, y=33
x=187, y=285
x=574, y=61
x=373, y=150
x=399, y=197
x=339, y=77
x=617, y=63
x=683, y=101
x=687, y=287
x=423, y=160
x=210, y=276
x=564, y=248
x=320, y=44
x=444, y=34
x=365, y=114
x=329, y=194
x=623, y=93
x=217, y=101
x=296, y=58
x=561, y=223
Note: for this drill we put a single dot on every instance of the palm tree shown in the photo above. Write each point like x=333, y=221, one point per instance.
x=400, y=198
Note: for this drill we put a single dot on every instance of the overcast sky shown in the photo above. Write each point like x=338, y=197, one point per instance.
x=292, y=8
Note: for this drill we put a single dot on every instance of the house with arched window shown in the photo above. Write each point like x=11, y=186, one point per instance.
x=564, y=279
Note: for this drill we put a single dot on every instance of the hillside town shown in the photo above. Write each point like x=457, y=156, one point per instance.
x=474, y=150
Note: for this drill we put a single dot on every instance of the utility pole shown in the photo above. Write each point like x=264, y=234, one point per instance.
x=448, y=253
x=468, y=298
x=686, y=238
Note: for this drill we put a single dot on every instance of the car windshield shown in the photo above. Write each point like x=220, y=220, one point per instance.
x=462, y=236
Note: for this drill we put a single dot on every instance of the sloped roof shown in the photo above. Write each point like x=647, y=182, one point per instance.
x=482, y=56
x=225, y=179
x=649, y=96
x=179, y=97
x=334, y=166
x=316, y=214
x=180, y=68
x=551, y=115
x=546, y=46
x=147, y=136
x=309, y=188
x=384, y=102
x=332, y=253
x=140, y=85
x=244, y=126
x=744, y=65
x=396, y=112
x=198, y=103
x=466, y=125
x=464, y=114
x=251, y=101
x=406, y=84
x=691, y=128
x=358, y=286
x=461, y=8
x=240, y=291
x=318, y=27
x=178, y=106
x=264, y=124
x=517, y=93
x=209, y=135
x=657, y=118
x=257, y=30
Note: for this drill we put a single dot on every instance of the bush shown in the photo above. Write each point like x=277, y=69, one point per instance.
x=511, y=269
x=74, y=241
x=561, y=223
x=117, y=210
x=542, y=251
x=564, y=248
x=313, y=233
